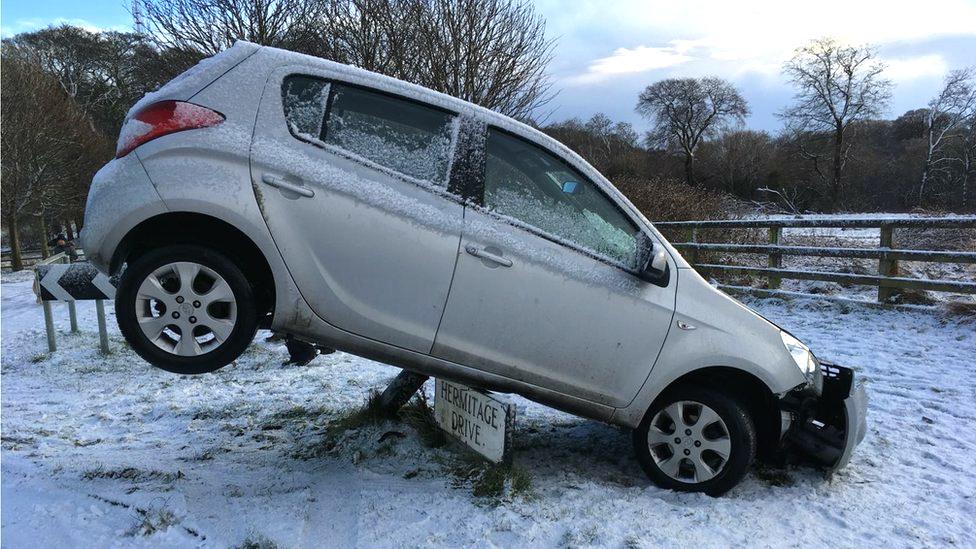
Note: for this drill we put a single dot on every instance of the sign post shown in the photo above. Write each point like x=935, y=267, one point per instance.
x=482, y=421
x=69, y=283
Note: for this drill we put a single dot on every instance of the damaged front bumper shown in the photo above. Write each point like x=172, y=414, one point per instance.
x=827, y=427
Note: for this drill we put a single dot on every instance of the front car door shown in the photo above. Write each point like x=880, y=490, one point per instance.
x=545, y=289
x=352, y=182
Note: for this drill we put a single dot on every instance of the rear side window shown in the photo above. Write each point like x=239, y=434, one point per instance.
x=527, y=183
x=305, y=99
x=408, y=137
x=404, y=136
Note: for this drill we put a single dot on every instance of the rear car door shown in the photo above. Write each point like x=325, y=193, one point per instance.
x=545, y=289
x=352, y=183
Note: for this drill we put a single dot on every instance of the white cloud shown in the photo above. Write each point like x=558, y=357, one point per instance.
x=633, y=60
x=33, y=24
x=913, y=68
x=755, y=36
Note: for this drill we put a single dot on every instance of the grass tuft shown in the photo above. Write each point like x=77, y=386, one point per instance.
x=154, y=520
x=963, y=310
x=370, y=413
x=491, y=481
x=132, y=474
x=419, y=414
x=257, y=542
x=774, y=476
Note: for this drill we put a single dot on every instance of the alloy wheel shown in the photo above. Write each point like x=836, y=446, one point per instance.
x=186, y=308
x=689, y=441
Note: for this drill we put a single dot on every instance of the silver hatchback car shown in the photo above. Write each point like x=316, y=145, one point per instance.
x=264, y=188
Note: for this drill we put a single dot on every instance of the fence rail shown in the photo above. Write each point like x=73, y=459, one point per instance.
x=29, y=258
x=887, y=280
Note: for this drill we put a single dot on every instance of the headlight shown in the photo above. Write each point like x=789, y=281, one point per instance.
x=805, y=361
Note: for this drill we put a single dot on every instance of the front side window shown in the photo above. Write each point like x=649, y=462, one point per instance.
x=407, y=137
x=527, y=183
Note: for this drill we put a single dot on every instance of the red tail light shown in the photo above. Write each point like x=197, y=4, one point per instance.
x=163, y=118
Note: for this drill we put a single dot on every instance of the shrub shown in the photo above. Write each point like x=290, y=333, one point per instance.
x=670, y=200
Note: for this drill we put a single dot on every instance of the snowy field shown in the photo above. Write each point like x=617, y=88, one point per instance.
x=107, y=451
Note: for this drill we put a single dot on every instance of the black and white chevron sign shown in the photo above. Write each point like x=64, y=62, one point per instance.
x=76, y=281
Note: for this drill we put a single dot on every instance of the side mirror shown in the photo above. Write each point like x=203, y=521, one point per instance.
x=653, y=262
x=659, y=262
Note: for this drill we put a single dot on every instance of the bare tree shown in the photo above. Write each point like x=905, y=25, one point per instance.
x=49, y=150
x=965, y=155
x=377, y=35
x=686, y=111
x=736, y=161
x=837, y=86
x=613, y=148
x=491, y=52
x=210, y=26
x=945, y=121
x=104, y=72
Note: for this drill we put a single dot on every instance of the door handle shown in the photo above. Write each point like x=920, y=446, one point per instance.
x=279, y=182
x=488, y=256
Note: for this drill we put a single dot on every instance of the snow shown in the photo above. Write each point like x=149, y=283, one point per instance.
x=271, y=151
x=99, y=450
x=197, y=77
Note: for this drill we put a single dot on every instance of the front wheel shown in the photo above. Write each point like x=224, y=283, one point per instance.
x=186, y=309
x=696, y=439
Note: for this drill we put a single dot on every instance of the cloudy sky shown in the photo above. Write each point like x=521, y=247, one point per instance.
x=608, y=50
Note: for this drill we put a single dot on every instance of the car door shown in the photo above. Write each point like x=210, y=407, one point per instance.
x=545, y=289
x=352, y=183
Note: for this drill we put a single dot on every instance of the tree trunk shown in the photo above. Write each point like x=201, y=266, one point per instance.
x=965, y=190
x=45, y=251
x=13, y=230
x=925, y=179
x=837, y=169
x=68, y=230
x=690, y=169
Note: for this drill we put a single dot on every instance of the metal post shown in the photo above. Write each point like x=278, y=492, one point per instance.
x=49, y=327
x=73, y=316
x=886, y=267
x=102, y=332
x=775, y=259
x=400, y=390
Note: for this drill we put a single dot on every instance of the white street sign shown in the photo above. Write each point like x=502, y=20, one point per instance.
x=480, y=420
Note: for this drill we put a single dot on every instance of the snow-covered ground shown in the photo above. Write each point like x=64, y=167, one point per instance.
x=107, y=451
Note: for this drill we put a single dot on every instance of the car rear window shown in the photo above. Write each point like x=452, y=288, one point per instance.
x=398, y=134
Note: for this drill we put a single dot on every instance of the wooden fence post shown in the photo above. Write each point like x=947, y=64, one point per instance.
x=693, y=252
x=886, y=267
x=775, y=259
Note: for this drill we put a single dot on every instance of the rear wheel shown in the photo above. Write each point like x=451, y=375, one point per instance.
x=186, y=309
x=696, y=440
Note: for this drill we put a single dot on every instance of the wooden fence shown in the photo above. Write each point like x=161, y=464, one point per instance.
x=887, y=254
x=30, y=258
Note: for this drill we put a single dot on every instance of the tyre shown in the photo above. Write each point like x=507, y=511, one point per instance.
x=696, y=439
x=186, y=309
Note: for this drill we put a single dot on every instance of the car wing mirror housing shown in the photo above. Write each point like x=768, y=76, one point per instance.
x=652, y=262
